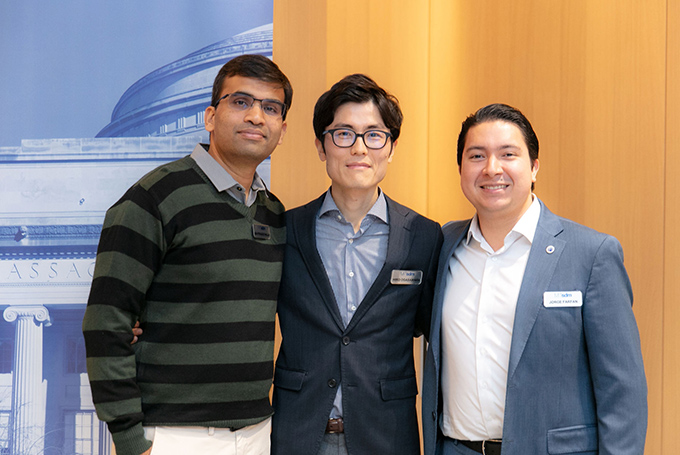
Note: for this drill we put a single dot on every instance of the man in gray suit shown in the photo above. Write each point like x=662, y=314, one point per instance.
x=357, y=284
x=534, y=348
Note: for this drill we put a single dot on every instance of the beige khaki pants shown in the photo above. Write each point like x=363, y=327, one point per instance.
x=251, y=440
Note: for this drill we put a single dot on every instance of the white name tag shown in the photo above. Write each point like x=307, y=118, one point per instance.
x=406, y=277
x=562, y=299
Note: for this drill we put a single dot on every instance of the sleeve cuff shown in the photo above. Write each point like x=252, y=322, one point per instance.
x=131, y=441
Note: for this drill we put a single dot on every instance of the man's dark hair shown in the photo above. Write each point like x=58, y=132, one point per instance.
x=357, y=88
x=255, y=67
x=505, y=113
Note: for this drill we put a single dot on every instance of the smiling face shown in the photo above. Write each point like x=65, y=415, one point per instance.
x=243, y=139
x=355, y=169
x=496, y=172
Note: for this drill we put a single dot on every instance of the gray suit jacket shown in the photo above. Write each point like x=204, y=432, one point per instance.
x=371, y=358
x=576, y=382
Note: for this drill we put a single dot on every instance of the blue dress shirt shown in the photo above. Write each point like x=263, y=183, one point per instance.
x=352, y=260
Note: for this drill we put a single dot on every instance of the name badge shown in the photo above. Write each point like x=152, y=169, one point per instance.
x=261, y=232
x=406, y=277
x=561, y=299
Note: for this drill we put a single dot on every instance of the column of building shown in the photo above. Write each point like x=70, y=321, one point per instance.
x=105, y=441
x=28, y=388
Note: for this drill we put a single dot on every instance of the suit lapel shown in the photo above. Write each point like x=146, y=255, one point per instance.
x=453, y=235
x=305, y=238
x=398, y=247
x=546, y=250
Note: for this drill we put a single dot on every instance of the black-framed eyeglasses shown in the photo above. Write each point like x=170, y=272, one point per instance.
x=373, y=139
x=239, y=101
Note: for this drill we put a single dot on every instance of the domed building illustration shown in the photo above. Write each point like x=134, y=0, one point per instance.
x=55, y=193
x=171, y=100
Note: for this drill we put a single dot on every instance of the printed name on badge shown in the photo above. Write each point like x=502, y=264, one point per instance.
x=406, y=277
x=562, y=299
x=261, y=232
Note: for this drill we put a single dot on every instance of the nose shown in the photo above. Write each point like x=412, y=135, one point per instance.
x=253, y=115
x=359, y=147
x=493, y=166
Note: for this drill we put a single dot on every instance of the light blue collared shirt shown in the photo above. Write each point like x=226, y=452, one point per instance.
x=222, y=180
x=352, y=260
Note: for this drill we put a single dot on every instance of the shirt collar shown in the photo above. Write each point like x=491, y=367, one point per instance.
x=526, y=226
x=379, y=209
x=219, y=176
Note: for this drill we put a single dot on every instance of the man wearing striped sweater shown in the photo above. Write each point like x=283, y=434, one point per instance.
x=193, y=252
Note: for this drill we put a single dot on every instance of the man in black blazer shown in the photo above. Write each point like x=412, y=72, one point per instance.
x=357, y=286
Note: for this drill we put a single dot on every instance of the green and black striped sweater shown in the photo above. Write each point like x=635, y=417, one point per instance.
x=181, y=258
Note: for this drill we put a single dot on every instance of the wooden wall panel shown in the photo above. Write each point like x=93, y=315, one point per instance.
x=624, y=129
x=385, y=40
x=595, y=78
x=447, y=108
x=297, y=174
x=590, y=76
x=668, y=325
x=382, y=38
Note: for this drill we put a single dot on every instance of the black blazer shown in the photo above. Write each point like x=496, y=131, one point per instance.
x=371, y=359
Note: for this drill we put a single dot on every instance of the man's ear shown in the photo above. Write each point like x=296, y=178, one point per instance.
x=320, y=150
x=284, y=127
x=392, y=150
x=209, y=119
x=534, y=170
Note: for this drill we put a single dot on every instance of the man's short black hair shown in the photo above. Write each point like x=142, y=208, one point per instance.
x=357, y=88
x=256, y=67
x=505, y=113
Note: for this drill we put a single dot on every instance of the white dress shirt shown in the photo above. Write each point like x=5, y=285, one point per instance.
x=477, y=321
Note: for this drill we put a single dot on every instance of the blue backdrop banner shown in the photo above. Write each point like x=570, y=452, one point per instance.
x=93, y=95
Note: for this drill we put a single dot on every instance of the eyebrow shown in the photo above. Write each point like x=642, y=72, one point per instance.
x=349, y=126
x=502, y=147
x=238, y=92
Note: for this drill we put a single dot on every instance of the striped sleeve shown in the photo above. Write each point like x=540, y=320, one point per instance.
x=129, y=253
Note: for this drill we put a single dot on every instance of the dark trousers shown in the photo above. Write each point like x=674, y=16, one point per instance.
x=333, y=444
x=447, y=446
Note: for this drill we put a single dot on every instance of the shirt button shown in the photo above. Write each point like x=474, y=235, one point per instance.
x=351, y=241
x=353, y=308
x=351, y=274
x=332, y=383
x=239, y=188
x=494, y=259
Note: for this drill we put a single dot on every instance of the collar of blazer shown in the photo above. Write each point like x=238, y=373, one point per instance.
x=540, y=268
x=302, y=225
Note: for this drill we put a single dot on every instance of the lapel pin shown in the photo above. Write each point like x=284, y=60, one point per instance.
x=550, y=249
